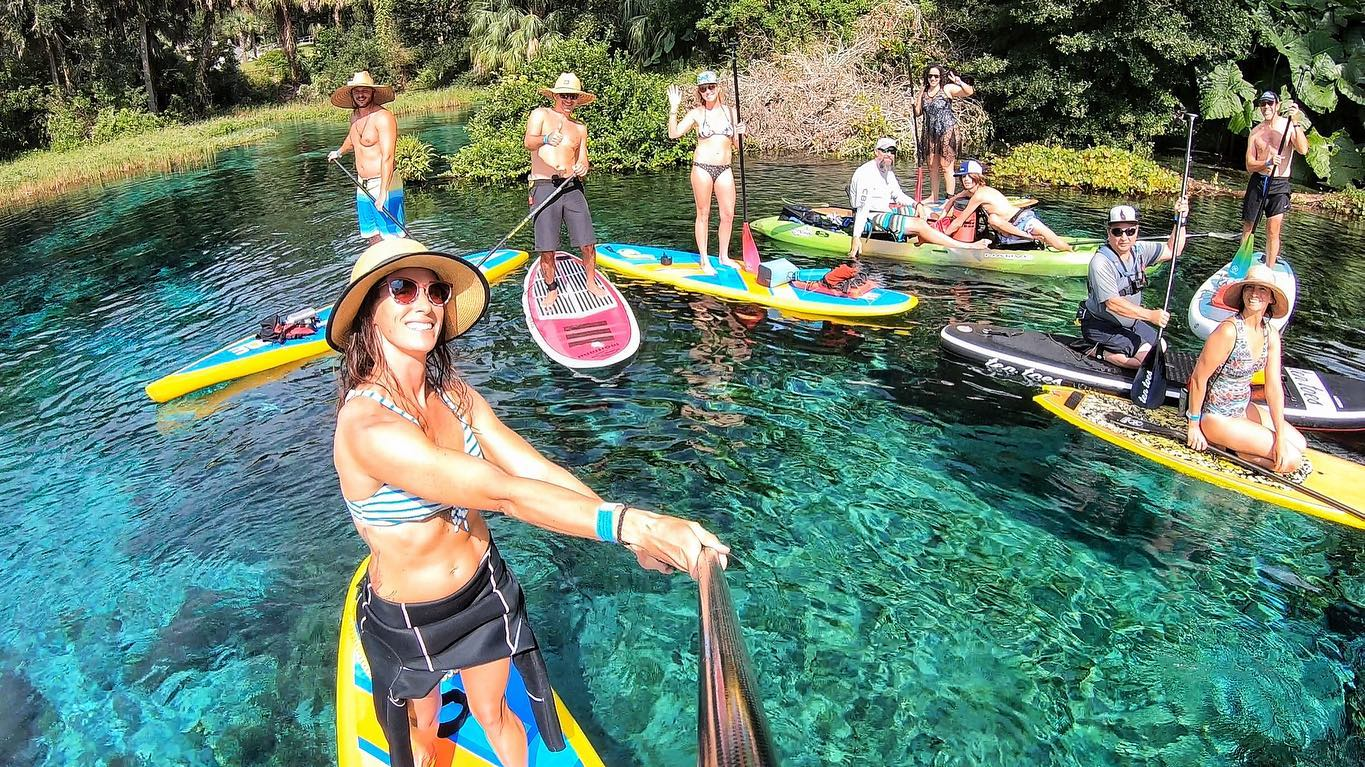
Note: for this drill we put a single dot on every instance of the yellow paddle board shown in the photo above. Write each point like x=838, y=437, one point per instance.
x=1334, y=477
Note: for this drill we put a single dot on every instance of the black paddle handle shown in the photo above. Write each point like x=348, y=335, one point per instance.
x=384, y=211
x=1139, y=424
x=743, y=191
x=1176, y=239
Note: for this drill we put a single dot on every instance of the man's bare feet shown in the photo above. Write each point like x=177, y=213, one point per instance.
x=595, y=286
x=548, y=301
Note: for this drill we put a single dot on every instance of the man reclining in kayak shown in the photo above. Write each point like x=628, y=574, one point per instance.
x=879, y=204
x=1014, y=225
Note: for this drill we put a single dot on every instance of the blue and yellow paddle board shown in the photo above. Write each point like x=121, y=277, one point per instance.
x=683, y=270
x=361, y=743
x=250, y=354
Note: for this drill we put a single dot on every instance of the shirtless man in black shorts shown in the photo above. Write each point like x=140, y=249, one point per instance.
x=1269, y=184
x=559, y=150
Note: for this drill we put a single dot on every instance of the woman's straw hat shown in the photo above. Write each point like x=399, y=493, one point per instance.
x=568, y=82
x=341, y=97
x=468, y=299
x=1230, y=295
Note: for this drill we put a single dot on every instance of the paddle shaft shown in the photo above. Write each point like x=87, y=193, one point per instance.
x=377, y=206
x=743, y=191
x=919, y=167
x=1149, y=385
x=1159, y=238
x=534, y=211
x=1255, y=468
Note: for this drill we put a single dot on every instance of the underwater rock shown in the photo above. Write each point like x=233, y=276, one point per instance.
x=23, y=718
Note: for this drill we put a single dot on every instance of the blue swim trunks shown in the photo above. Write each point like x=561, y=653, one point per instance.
x=372, y=222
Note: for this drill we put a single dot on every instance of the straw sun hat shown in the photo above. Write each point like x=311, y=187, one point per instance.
x=568, y=82
x=1230, y=295
x=468, y=299
x=341, y=97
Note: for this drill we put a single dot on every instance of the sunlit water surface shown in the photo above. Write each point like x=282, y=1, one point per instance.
x=930, y=570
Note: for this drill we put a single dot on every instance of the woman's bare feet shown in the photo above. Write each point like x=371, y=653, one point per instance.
x=727, y=261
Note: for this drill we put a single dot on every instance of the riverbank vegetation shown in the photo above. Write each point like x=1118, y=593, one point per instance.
x=824, y=76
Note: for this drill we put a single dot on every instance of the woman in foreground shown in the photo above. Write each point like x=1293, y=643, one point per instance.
x=420, y=455
x=1220, y=411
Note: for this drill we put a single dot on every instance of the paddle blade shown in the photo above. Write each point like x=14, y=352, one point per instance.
x=1243, y=259
x=751, y=259
x=1149, y=385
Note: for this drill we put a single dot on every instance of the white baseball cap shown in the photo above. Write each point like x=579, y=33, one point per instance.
x=1123, y=214
x=886, y=142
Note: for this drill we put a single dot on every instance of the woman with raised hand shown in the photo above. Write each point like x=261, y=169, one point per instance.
x=941, y=144
x=1220, y=411
x=718, y=132
x=421, y=457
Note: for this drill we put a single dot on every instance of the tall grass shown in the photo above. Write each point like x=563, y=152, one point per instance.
x=43, y=174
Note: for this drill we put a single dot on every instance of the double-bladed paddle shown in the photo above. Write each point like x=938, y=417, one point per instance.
x=1230, y=236
x=746, y=235
x=384, y=211
x=1149, y=385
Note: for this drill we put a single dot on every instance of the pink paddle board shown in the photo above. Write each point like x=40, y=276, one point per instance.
x=579, y=330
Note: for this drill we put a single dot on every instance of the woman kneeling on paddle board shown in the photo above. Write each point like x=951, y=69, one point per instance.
x=1220, y=410
x=419, y=453
x=718, y=131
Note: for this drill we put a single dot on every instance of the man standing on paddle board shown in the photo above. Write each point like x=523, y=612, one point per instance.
x=559, y=150
x=373, y=135
x=878, y=203
x=1269, y=184
x=1015, y=226
x=1119, y=325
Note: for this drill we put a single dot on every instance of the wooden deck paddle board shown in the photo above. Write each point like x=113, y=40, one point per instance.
x=361, y=743
x=1335, y=477
x=581, y=329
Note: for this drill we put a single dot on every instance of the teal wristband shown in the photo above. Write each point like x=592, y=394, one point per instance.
x=544, y=139
x=606, y=521
x=1194, y=417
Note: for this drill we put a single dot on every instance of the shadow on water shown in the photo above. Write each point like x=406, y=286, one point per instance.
x=931, y=570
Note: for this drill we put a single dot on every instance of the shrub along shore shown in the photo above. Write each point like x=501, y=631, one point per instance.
x=45, y=174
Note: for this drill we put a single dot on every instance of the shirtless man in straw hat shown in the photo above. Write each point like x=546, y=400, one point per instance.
x=373, y=135
x=559, y=150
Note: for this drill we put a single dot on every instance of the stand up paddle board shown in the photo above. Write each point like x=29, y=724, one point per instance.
x=1107, y=417
x=580, y=330
x=1312, y=400
x=361, y=742
x=251, y=354
x=682, y=270
x=1204, y=314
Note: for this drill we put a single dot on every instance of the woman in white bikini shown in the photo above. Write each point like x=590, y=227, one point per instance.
x=718, y=132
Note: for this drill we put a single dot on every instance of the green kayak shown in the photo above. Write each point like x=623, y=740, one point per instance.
x=1037, y=261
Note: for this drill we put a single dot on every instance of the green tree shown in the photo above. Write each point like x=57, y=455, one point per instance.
x=506, y=34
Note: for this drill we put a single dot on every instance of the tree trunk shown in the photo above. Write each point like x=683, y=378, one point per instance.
x=52, y=65
x=201, y=69
x=147, y=65
x=288, y=44
x=72, y=82
x=336, y=15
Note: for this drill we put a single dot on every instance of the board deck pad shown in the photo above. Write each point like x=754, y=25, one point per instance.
x=1312, y=399
x=1205, y=313
x=580, y=329
x=682, y=270
x=361, y=742
x=1097, y=413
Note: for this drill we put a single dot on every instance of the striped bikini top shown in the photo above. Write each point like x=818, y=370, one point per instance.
x=391, y=506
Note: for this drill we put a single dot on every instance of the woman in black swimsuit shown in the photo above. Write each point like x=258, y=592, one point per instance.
x=717, y=133
x=939, y=152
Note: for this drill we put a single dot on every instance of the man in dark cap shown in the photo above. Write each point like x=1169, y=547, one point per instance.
x=1270, y=155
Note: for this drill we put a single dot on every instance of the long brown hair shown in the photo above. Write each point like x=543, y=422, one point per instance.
x=363, y=364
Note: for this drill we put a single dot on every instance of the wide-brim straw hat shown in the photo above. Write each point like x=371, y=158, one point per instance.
x=1230, y=295
x=341, y=97
x=568, y=82
x=468, y=299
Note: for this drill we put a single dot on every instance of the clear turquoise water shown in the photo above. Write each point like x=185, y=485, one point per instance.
x=931, y=571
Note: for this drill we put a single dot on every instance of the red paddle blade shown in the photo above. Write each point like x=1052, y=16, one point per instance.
x=751, y=259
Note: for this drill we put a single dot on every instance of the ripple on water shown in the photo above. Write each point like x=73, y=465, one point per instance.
x=928, y=570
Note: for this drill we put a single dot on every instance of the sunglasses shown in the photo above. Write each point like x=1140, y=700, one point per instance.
x=405, y=291
x=710, y=87
x=567, y=96
x=933, y=75
x=888, y=150
x=1119, y=231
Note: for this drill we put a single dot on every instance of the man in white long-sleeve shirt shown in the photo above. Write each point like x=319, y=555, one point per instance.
x=879, y=203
